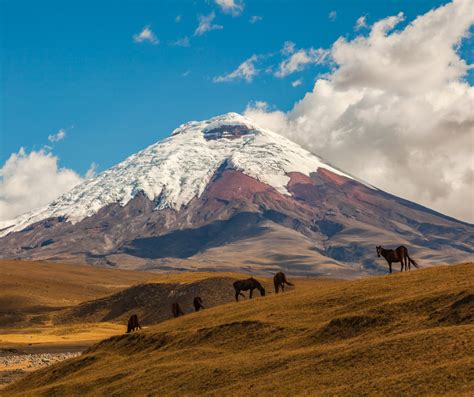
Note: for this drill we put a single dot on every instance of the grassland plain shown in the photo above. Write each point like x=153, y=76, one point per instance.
x=52, y=307
x=404, y=334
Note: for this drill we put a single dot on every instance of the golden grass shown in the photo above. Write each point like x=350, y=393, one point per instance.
x=54, y=284
x=404, y=334
x=60, y=334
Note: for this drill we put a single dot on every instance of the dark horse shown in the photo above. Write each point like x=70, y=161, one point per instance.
x=133, y=323
x=197, y=302
x=176, y=310
x=279, y=281
x=398, y=255
x=245, y=285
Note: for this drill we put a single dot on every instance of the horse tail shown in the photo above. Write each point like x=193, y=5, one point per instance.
x=413, y=262
x=286, y=281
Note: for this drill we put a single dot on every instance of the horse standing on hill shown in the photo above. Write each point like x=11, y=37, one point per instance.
x=245, y=285
x=279, y=280
x=197, y=302
x=398, y=255
x=176, y=310
x=133, y=324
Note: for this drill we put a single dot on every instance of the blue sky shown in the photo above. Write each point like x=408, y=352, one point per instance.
x=74, y=65
x=381, y=89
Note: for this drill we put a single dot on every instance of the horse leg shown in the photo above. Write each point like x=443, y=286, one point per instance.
x=237, y=293
x=251, y=291
x=282, y=287
x=390, y=267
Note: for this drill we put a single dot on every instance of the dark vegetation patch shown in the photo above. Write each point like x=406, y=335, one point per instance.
x=329, y=228
x=346, y=253
x=47, y=242
x=457, y=313
x=350, y=326
x=235, y=333
x=188, y=242
x=441, y=244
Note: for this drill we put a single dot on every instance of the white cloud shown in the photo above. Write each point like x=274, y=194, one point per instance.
x=255, y=18
x=59, y=136
x=396, y=111
x=205, y=24
x=296, y=83
x=361, y=23
x=146, y=35
x=233, y=7
x=31, y=180
x=332, y=15
x=186, y=73
x=299, y=59
x=178, y=18
x=246, y=71
x=92, y=171
x=181, y=42
x=288, y=48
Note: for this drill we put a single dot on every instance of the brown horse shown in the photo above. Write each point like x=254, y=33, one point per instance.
x=176, y=310
x=133, y=323
x=279, y=281
x=398, y=255
x=245, y=285
x=197, y=302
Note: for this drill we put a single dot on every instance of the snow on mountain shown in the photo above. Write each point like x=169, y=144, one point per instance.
x=177, y=169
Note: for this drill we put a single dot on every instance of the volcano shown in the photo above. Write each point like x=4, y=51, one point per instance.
x=226, y=194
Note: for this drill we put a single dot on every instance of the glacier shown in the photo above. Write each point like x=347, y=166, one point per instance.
x=178, y=169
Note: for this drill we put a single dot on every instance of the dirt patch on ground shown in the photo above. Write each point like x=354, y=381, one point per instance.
x=14, y=364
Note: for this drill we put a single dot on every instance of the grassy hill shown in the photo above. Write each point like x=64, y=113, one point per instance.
x=43, y=306
x=152, y=301
x=404, y=334
x=31, y=291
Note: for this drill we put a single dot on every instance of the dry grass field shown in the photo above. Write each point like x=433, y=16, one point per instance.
x=41, y=304
x=404, y=334
x=34, y=289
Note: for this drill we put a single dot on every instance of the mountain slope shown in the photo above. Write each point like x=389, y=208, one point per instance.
x=210, y=196
x=377, y=336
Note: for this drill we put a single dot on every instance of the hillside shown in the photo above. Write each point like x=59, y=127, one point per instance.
x=404, y=334
x=31, y=291
x=51, y=311
x=152, y=301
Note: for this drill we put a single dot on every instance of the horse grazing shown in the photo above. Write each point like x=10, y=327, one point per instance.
x=245, y=285
x=176, y=309
x=398, y=255
x=133, y=323
x=197, y=302
x=279, y=281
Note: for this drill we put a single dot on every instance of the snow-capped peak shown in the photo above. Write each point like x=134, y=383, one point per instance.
x=178, y=169
x=230, y=120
